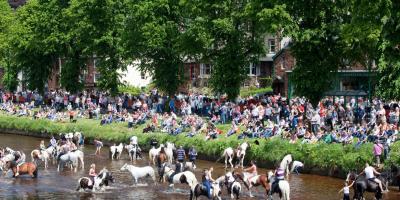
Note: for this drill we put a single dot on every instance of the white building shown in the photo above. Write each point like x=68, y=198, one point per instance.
x=134, y=77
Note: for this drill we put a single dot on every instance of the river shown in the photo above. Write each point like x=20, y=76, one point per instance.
x=54, y=185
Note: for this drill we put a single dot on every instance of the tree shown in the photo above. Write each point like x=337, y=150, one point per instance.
x=7, y=20
x=154, y=34
x=317, y=45
x=235, y=31
x=389, y=61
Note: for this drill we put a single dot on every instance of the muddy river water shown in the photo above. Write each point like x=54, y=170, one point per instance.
x=61, y=185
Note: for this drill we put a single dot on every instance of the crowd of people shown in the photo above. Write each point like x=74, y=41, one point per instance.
x=333, y=120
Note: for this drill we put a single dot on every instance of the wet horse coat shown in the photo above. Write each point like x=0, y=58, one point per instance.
x=26, y=168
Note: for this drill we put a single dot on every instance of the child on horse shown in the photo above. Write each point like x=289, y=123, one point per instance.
x=252, y=170
x=279, y=176
x=18, y=160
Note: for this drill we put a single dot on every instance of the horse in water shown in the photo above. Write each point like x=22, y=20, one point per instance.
x=116, y=151
x=200, y=190
x=103, y=179
x=362, y=184
x=42, y=155
x=26, y=168
x=285, y=163
x=140, y=172
x=228, y=155
x=73, y=158
x=282, y=188
x=134, y=151
x=232, y=185
x=254, y=181
x=153, y=153
x=186, y=177
x=169, y=150
x=240, y=155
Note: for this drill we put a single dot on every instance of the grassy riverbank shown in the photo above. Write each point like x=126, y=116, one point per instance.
x=328, y=159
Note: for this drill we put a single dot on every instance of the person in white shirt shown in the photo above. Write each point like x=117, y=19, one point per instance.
x=370, y=173
x=346, y=191
x=296, y=166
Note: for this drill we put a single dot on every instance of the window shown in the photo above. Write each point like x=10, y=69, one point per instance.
x=271, y=46
x=96, y=77
x=205, y=69
x=254, y=69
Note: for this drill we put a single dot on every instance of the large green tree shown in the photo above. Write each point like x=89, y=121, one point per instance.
x=234, y=32
x=389, y=62
x=154, y=34
x=7, y=24
x=317, y=44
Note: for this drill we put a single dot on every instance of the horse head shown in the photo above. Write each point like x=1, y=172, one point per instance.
x=270, y=174
x=124, y=167
x=351, y=176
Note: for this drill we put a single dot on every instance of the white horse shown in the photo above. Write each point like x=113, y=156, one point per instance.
x=153, y=153
x=73, y=158
x=186, y=177
x=233, y=186
x=169, y=151
x=283, y=186
x=228, y=154
x=240, y=156
x=140, y=172
x=116, y=151
x=285, y=163
x=40, y=155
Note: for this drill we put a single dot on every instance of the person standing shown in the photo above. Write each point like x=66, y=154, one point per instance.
x=346, y=191
x=180, y=154
x=193, y=156
x=296, y=166
x=377, y=150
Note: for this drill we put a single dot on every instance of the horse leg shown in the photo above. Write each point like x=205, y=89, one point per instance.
x=230, y=161
x=226, y=162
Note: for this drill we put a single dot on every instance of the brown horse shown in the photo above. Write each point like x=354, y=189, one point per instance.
x=259, y=180
x=26, y=168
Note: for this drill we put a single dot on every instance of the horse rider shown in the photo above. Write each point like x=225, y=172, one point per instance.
x=207, y=179
x=92, y=172
x=64, y=150
x=18, y=160
x=279, y=176
x=153, y=142
x=193, y=156
x=252, y=170
x=53, y=142
x=42, y=147
x=370, y=172
x=296, y=166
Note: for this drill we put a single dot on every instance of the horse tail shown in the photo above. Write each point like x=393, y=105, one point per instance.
x=36, y=172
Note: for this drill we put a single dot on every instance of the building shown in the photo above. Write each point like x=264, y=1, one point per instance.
x=351, y=81
x=198, y=74
x=132, y=76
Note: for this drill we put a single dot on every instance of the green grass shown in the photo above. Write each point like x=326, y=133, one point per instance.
x=320, y=155
x=251, y=91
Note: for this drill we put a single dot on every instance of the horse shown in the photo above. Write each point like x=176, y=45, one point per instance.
x=25, y=168
x=133, y=151
x=161, y=158
x=116, y=151
x=362, y=185
x=153, y=153
x=243, y=147
x=228, y=154
x=234, y=188
x=255, y=181
x=186, y=177
x=200, y=190
x=395, y=171
x=169, y=151
x=101, y=180
x=40, y=155
x=283, y=187
x=285, y=163
x=140, y=172
x=72, y=157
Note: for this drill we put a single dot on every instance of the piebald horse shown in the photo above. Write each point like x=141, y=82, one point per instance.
x=133, y=151
x=232, y=185
x=283, y=188
x=229, y=154
x=186, y=177
x=140, y=172
x=200, y=190
x=101, y=180
x=285, y=163
x=254, y=181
